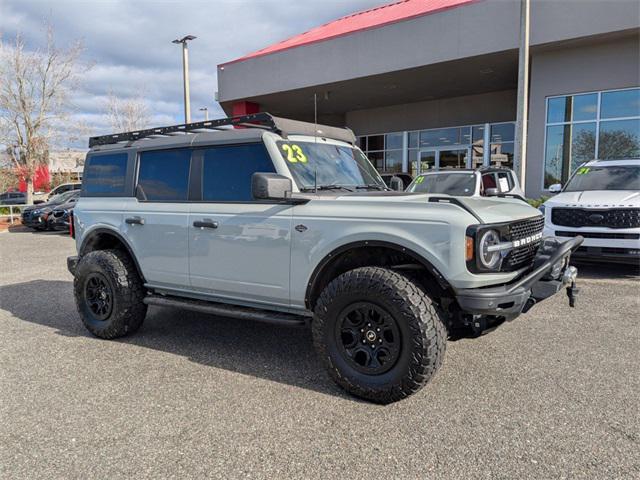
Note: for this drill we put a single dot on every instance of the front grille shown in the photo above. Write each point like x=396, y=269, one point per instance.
x=610, y=218
x=523, y=255
x=617, y=236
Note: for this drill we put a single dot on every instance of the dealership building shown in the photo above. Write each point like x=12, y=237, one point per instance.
x=433, y=83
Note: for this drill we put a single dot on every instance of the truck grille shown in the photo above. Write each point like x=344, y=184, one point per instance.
x=521, y=256
x=611, y=218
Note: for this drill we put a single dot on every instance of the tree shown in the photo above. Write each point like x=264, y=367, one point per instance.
x=126, y=115
x=35, y=88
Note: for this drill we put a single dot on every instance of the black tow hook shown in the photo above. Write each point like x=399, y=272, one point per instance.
x=572, y=293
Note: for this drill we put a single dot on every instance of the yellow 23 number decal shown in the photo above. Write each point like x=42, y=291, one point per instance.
x=294, y=153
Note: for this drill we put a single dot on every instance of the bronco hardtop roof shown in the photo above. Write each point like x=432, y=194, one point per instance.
x=261, y=121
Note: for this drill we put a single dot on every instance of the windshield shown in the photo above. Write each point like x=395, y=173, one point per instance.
x=457, y=184
x=63, y=197
x=327, y=165
x=605, y=178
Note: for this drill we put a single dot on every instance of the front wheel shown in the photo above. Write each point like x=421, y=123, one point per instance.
x=378, y=334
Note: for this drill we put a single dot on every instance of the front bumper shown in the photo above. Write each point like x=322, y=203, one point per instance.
x=519, y=296
x=72, y=264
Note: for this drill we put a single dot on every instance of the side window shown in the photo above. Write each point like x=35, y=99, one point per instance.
x=504, y=182
x=163, y=175
x=105, y=174
x=227, y=171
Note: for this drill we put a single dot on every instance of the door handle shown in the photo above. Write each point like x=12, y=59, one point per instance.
x=134, y=221
x=205, y=224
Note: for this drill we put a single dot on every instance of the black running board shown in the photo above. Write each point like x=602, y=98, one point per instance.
x=226, y=310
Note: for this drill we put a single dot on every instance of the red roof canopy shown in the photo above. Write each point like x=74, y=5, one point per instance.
x=376, y=17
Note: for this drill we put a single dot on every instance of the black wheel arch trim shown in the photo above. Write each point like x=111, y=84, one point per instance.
x=317, y=271
x=114, y=233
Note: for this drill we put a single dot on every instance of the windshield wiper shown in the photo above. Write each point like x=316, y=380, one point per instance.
x=326, y=187
x=370, y=186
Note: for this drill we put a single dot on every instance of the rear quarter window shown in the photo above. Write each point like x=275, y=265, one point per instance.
x=105, y=174
x=163, y=175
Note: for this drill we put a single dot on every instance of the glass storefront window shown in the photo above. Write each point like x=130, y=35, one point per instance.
x=575, y=134
x=393, y=161
x=377, y=159
x=585, y=107
x=502, y=154
x=502, y=132
x=414, y=139
x=558, y=110
x=620, y=104
x=393, y=141
x=375, y=142
x=619, y=139
x=554, y=154
x=440, y=137
x=583, y=143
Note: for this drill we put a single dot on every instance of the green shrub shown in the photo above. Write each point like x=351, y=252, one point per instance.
x=536, y=202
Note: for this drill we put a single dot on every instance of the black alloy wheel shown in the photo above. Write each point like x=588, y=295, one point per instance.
x=368, y=338
x=98, y=296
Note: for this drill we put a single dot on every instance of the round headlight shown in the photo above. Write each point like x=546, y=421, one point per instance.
x=487, y=258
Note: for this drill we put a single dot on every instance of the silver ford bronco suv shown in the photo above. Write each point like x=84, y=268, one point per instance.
x=262, y=218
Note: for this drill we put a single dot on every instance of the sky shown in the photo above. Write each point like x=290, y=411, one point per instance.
x=129, y=44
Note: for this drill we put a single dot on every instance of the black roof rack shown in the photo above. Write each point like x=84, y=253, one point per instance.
x=263, y=120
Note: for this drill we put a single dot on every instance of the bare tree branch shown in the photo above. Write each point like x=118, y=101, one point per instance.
x=35, y=100
x=129, y=114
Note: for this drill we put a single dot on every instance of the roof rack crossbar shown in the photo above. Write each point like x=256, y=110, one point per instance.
x=255, y=120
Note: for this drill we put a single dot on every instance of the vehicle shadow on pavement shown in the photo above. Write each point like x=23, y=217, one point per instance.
x=600, y=270
x=280, y=354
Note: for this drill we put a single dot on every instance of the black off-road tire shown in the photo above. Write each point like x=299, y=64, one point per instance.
x=423, y=334
x=116, y=270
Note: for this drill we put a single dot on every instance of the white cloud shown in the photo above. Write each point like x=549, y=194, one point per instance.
x=130, y=43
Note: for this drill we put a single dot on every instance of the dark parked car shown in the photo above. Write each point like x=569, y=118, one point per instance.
x=37, y=216
x=13, y=198
x=60, y=216
x=64, y=188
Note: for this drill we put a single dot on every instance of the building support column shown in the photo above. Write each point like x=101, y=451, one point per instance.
x=405, y=151
x=520, y=160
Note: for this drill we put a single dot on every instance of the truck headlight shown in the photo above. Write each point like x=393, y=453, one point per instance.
x=489, y=257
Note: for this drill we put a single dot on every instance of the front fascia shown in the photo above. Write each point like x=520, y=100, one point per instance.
x=435, y=232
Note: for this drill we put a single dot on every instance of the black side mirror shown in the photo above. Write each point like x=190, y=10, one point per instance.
x=270, y=186
x=491, y=192
x=396, y=184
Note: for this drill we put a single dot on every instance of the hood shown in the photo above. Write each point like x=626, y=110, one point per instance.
x=489, y=210
x=499, y=210
x=596, y=199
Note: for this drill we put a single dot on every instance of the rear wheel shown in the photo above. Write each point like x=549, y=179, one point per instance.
x=109, y=294
x=378, y=333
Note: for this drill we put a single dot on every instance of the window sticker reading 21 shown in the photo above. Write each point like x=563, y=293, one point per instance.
x=294, y=153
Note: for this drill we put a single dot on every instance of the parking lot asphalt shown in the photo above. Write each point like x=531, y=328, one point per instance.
x=554, y=394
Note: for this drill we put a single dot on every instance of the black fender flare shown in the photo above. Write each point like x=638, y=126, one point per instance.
x=114, y=233
x=312, y=284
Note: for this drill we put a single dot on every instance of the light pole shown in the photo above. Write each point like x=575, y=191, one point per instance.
x=206, y=113
x=522, y=112
x=185, y=74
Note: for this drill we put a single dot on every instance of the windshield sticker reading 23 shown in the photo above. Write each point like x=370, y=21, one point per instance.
x=294, y=153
